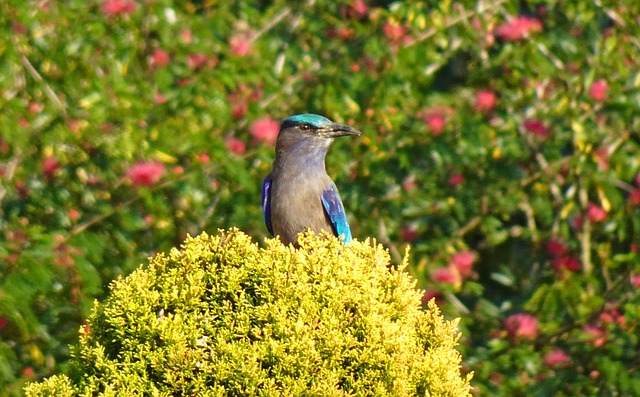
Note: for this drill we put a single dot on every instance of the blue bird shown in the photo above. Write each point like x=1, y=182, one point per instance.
x=298, y=195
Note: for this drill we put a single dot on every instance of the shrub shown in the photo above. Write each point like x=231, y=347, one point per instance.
x=221, y=316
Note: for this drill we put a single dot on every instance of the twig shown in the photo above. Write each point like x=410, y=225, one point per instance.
x=47, y=88
x=384, y=238
x=272, y=22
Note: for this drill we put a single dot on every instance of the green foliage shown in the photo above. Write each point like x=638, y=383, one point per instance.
x=221, y=316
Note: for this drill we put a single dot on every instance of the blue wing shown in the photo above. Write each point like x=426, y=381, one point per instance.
x=335, y=212
x=266, y=203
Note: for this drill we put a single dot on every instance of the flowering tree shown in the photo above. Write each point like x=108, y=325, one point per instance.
x=500, y=141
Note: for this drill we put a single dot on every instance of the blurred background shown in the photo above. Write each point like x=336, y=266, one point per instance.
x=501, y=142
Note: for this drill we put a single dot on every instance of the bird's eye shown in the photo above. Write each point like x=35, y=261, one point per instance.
x=305, y=127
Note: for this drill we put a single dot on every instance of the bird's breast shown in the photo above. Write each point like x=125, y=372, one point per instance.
x=296, y=205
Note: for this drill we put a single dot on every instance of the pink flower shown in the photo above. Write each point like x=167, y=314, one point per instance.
x=409, y=183
x=637, y=179
x=556, y=358
x=518, y=28
x=146, y=173
x=485, y=101
x=159, y=99
x=235, y=145
x=635, y=280
x=50, y=167
x=598, y=90
x=240, y=44
x=596, y=213
x=463, y=261
x=447, y=275
x=536, y=127
x=435, y=121
x=199, y=60
x=521, y=326
x=111, y=8
x=35, y=107
x=359, y=8
x=556, y=248
x=186, y=36
x=265, y=130
x=394, y=32
x=612, y=316
x=203, y=158
x=159, y=58
x=597, y=335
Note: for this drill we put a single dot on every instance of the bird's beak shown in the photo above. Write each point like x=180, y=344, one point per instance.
x=335, y=130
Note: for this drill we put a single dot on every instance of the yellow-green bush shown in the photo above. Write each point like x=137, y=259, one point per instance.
x=223, y=317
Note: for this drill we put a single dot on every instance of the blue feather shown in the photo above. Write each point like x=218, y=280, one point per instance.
x=314, y=119
x=335, y=212
x=266, y=204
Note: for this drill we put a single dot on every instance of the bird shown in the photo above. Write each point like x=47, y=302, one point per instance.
x=298, y=194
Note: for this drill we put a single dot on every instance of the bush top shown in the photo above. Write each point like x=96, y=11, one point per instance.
x=222, y=316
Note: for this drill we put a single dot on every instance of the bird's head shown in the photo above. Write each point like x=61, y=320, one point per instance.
x=313, y=127
x=307, y=137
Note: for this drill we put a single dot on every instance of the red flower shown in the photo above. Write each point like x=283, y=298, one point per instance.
x=159, y=58
x=431, y=294
x=112, y=8
x=265, y=130
x=146, y=173
x=235, y=145
x=456, y=179
x=596, y=213
x=463, y=261
x=536, y=127
x=556, y=358
x=634, y=197
x=556, y=248
x=521, y=326
x=570, y=263
x=409, y=233
x=50, y=167
x=485, y=101
x=447, y=275
x=73, y=214
x=3, y=322
x=240, y=44
x=28, y=372
x=342, y=33
x=635, y=280
x=435, y=120
x=598, y=90
x=518, y=28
